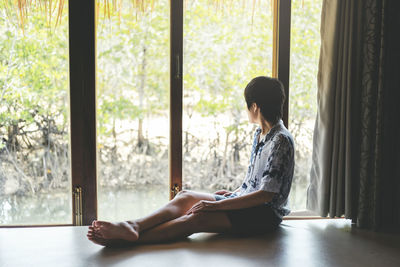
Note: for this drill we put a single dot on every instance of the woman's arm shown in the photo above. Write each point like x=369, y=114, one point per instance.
x=225, y=192
x=249, y=200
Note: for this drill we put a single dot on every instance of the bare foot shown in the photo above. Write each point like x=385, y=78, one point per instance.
x=111, y=231
x=108, y=242
x=95, y=239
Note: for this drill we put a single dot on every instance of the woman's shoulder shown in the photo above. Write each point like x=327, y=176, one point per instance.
x=283, y=140
x=280, y=132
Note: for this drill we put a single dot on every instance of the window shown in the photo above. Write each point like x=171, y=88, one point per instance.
x=305, y=47
x=35, y=178
x=159, y=68
x=132, y=112
x=223, y=49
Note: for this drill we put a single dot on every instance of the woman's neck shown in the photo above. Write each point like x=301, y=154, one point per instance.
x=265, y=127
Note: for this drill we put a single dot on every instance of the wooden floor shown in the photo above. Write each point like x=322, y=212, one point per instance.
x=296, y=243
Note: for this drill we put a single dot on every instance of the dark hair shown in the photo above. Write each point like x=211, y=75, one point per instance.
x=268, y=94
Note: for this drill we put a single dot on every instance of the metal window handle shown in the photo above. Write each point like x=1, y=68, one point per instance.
x=175, y=189
x=77, y=194
x=178, y=67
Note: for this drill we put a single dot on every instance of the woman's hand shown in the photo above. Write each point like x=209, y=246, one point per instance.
x=203, y=205
x=223, y=192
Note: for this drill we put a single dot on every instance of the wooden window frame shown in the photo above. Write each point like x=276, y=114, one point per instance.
x=281, y=49
x=82, y=58
x=280, y=70
x=176, y=93
x=82, y=94
x=82, y=76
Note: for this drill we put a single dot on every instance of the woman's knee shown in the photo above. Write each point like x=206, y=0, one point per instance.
x=183, y=201
x=184, y=195
x=183, y=192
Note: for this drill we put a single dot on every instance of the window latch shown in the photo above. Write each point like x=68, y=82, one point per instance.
x=175, y=189
x=77, y=196
x=178, y=74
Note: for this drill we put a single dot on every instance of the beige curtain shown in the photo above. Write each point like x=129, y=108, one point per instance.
x=355, y=168
x=331, y=174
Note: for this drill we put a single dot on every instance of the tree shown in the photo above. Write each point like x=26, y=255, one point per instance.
x=223, y=50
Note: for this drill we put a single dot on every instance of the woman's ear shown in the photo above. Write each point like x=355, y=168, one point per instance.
x=254, y=107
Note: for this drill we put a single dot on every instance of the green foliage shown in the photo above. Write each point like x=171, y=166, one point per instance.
x=222, y=53
x=305, y=47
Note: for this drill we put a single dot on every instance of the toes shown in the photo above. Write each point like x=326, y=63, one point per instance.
x=93, y=229
x=93, y=226
x=95, y=233
x=101, y=224
x=97, y=240
x=91, y=232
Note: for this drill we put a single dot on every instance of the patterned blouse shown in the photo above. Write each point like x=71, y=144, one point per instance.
x=271, y=167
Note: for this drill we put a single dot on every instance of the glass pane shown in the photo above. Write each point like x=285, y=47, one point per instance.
x=35, y=182
x=225, y=46
x=132, y=111
x=305, y=47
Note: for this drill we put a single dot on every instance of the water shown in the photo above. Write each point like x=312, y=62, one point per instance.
x=56, y=207
x=44, y=208
x=127, y=204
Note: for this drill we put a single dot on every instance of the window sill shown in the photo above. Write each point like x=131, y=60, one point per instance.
x=306, y=215
x=37, y=225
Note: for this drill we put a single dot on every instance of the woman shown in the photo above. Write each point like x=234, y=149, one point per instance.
x=257, y=206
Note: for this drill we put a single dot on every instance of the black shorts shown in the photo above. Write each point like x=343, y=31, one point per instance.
x=255, y=220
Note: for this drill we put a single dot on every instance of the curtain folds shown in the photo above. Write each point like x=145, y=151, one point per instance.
x=331, y=183
x=351, y=173
x=371, y=116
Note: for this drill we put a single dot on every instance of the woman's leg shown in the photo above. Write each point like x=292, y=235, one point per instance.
x=175, y=208
x=183, y=226
x=130, y=230
x=213, y=222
